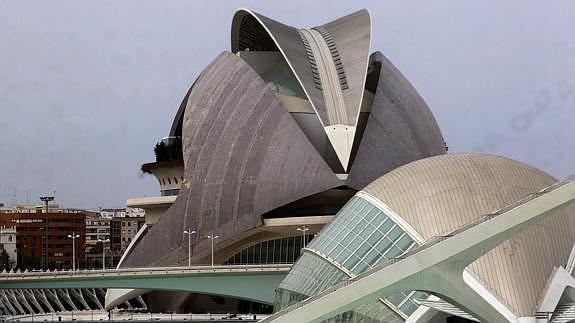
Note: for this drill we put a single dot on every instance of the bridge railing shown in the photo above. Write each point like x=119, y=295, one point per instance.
x=94, y=316
x=151, y=270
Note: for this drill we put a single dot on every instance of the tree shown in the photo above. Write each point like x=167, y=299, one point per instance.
x=4, y=260
x=95, y=249
x=28, y=262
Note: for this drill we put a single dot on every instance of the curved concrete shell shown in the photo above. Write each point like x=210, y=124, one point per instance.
x=244, y=155
x=251, y=149
x=176, y=129
x=329, y=61
x=395, y=122
x=400, y=127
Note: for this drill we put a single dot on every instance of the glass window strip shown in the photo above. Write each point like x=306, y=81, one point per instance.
x=363, y=240
x=407, y=297
x=357, y=214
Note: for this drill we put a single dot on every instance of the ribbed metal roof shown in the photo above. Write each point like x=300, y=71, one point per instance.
x=438, y=194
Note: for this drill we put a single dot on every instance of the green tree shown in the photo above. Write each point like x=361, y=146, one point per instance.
x=28, y=262
x=97, y=249
x=4, y=260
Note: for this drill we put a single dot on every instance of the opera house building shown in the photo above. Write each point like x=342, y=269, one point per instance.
x=304, y=146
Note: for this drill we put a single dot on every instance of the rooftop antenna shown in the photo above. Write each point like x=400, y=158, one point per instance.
x=15, y=197
x=46, y=199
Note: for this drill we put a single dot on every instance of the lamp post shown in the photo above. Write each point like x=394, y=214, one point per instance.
x=73, y=236
x=213, y=237
x=189, y=233
x=103, y=252
x=303, y=229
x=45, y=199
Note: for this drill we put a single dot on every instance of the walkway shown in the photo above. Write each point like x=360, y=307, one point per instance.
x=252, y=282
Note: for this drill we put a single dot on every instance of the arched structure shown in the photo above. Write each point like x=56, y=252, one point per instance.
x=245, y=282
x=330, y=63
x=425, y=199
x=280, y=133
x=253, y=140
x=239, y=166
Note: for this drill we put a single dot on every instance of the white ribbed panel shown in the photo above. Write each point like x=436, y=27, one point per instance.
x=438, y=194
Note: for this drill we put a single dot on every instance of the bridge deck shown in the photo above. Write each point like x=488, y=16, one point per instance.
x=251, y=282
x=140, y=272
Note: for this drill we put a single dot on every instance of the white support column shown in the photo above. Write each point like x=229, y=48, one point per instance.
x=77, y=293
x=53, y=295
x=14, y=301
x=7, y=303
x=30, y=295
x=91, y=293
x=66, y=296
x=41, y=295
x=22, y=299
x=141, y=301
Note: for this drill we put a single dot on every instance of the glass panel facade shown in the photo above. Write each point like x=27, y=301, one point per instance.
x=278, y=251
x=311, y=275
x=281, y=79
x=170, y=192
x=360, y=236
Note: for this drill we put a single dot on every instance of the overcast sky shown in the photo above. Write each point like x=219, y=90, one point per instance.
x=88, y=88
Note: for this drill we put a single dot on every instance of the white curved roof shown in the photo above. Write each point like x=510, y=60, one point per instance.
x=439, y=194
x=329, y=61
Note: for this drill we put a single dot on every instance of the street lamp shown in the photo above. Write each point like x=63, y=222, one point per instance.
x=103, y=252
x=45, y=199
x=189, y=233
x=213, y=237
x=73, y=236
x=303, y=229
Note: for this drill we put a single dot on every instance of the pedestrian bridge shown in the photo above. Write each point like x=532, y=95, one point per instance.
x=250, y=282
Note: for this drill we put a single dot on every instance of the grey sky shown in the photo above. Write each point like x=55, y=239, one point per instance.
x=87, y=88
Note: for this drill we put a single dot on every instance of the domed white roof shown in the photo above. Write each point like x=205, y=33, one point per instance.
x=439, y=194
